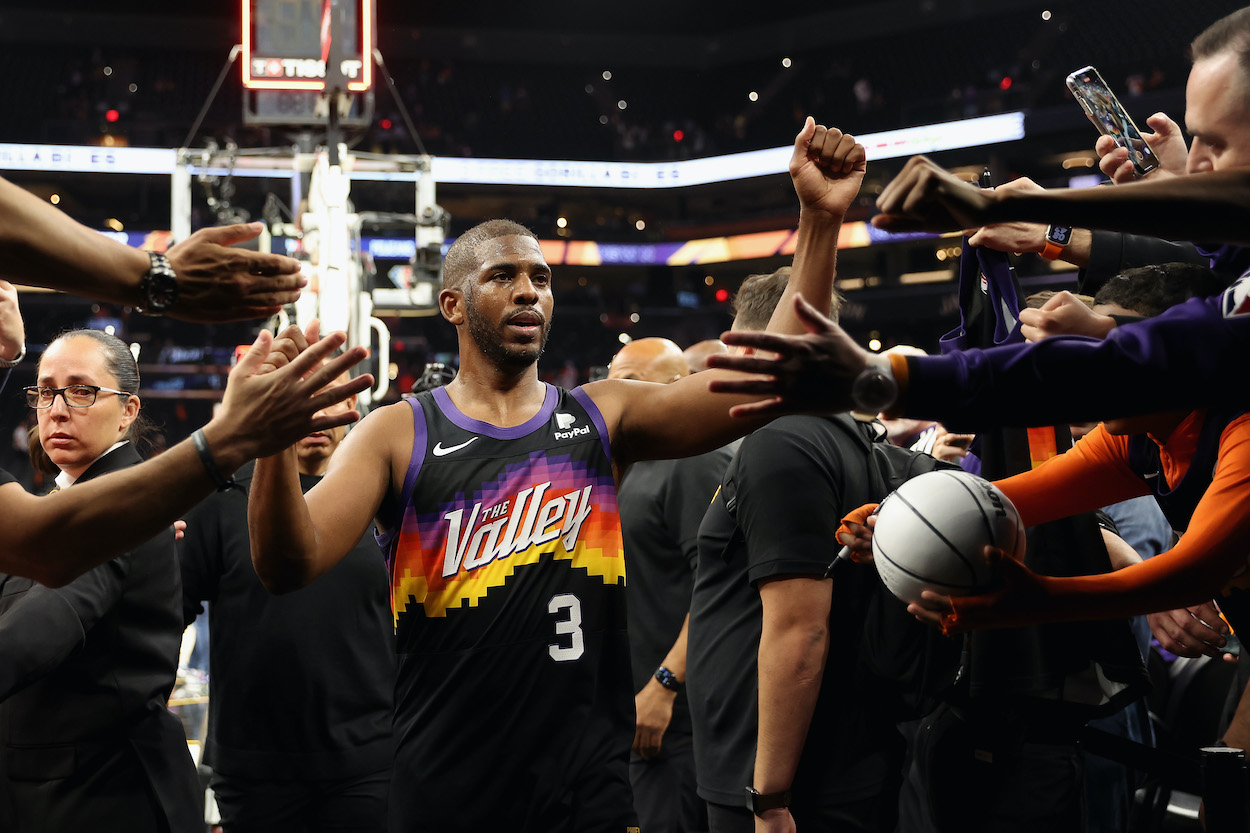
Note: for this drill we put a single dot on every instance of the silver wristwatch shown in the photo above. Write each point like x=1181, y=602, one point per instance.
x=159, y=286
x=5, y=364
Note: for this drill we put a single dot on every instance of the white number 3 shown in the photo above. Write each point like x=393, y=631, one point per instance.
x=571, y=625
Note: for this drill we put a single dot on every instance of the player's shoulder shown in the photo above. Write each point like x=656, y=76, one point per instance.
x=383, y=428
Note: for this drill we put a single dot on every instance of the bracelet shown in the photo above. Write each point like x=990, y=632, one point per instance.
x=5, y=364
x=222, y=483
x=667, y=679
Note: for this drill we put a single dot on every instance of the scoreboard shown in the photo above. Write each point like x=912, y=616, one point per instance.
x=289, y=44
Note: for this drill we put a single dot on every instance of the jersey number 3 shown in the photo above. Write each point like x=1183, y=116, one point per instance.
x=570, y=625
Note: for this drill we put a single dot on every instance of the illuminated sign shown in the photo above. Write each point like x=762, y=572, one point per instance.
x=286, y=44
x=86, y=159
x=890, y=144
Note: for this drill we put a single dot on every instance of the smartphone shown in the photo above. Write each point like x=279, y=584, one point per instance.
x=1110, y=117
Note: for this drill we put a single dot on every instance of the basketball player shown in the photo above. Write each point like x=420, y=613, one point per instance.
x=496, y=497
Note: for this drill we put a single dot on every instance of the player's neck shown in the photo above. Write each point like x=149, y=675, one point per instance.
x=500, y=399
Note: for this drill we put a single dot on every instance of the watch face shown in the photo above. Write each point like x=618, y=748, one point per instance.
x=162, y=290
x=1059, y=235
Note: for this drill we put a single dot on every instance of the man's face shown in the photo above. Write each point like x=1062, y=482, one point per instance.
x=1217, y=114
x=508, y=301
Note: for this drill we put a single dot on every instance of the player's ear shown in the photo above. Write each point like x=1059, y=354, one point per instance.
x=451, y=305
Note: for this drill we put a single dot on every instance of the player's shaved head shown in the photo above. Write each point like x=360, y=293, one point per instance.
x=462, y=260
x=649, y=359
x=697, y=354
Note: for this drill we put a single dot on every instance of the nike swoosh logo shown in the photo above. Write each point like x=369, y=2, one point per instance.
x=439, y=451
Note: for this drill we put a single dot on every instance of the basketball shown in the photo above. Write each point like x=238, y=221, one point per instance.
x=931, y=534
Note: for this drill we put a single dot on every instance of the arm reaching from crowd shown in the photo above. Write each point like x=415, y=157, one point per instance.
x=1208, y=206
x=260, y=414
x=1199, y=567
x=42, y=246
x=1018, y=236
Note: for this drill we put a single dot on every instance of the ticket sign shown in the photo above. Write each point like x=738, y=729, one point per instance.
x=287, y=44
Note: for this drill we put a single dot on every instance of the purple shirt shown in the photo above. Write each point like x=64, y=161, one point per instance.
x=1195, y=354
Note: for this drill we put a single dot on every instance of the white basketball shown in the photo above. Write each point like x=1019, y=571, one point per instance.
x=932, y=531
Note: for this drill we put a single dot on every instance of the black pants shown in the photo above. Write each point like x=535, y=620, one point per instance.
x=1000, y=775
x=349, y=805
x=664, y=789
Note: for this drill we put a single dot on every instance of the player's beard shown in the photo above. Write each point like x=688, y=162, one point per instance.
x=486, y=336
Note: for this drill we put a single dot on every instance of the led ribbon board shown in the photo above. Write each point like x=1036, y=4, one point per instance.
x=890, y=144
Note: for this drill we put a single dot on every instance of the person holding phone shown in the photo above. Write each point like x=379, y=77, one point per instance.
x=1216, y=116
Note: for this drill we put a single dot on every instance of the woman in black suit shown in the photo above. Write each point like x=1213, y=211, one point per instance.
x=86, y=740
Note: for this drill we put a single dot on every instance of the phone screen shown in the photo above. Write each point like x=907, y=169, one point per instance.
x=1110, y=117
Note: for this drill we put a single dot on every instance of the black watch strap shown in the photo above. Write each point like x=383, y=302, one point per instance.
x=760, y=803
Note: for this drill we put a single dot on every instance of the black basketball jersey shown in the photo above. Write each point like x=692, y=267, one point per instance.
x=508, y=588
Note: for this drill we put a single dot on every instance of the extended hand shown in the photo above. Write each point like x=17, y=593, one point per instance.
x=219, y=283
x=951, y=448
x=654, y=708
x=1014, y=237
x=1167, y=142
x=811, y=372
x=827, y=168
x=924, y=197
x=289, y=344
x=1015, y=600
x=1191, y=632
x=264, y=413
x=1064, y=315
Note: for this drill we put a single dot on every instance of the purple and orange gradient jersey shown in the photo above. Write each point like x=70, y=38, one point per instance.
x=508, y=589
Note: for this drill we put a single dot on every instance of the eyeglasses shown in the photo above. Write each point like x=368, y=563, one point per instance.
x=75, y=396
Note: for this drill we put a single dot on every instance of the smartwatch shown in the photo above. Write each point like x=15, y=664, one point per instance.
x=159, y=286
x=760, y=803
x=1057, y=239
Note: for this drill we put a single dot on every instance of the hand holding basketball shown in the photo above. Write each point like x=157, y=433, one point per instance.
x=931, y=534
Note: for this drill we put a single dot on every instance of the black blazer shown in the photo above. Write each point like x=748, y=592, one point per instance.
x=86, y=740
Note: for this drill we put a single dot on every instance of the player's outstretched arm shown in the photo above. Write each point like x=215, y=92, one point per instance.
x=295, y=538
x=42, y=246
x=827, y=168
x=813, y=372
x=53, y=539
